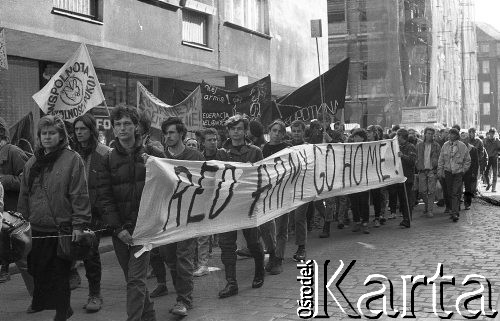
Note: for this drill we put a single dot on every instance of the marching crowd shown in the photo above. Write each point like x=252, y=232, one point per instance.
x=74, y=180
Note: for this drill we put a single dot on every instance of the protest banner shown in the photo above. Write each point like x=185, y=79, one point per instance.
x=73, y=90
x=305, y=102
x=183, y=199
x=3, y=51
x=254, y=100
x=188, y=110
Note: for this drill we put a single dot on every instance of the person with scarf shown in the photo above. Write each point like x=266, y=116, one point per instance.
x=53, y=194
x=86, y=143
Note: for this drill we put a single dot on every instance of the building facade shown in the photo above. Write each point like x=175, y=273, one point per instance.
x=412, y=61
x=168, y=45
x=488, y=59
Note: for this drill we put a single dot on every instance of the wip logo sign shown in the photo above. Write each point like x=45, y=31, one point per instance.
x=75, y=87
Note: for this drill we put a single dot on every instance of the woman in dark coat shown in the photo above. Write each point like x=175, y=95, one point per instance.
x=53, y=194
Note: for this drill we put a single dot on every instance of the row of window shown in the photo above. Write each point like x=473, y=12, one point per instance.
x=196, y=20
x=485, y=47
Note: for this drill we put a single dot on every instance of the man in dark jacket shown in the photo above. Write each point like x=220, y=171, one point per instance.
x=492, y=146
x=408, y=155
x=93, y=153
x=235, y=149
x=470, y=176
x=120, y=189
x=179, y=256
x=12, y=161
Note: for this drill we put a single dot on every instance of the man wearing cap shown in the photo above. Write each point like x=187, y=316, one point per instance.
x=492, y=146
x=454, y=161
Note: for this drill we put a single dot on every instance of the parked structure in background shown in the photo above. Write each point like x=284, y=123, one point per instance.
x=488, y=59
x=392, y=45
x=170, y=46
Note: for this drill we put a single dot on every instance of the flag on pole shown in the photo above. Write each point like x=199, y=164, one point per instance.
x=3, y=51
x=73, y=90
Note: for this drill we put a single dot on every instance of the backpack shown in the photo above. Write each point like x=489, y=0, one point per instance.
x=15, y=237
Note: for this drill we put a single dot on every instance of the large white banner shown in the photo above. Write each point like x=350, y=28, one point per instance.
x=73, y=90
x=189, y=110
x=185, y=199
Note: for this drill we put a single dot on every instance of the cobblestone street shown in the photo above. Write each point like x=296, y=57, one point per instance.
x=467, y=247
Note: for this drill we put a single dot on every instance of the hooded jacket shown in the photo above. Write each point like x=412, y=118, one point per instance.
x=12, y=161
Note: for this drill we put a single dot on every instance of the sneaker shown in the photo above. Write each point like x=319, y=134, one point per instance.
x=4, y=276
x=376, y=222
x=300, y=255
x=467, y=207
x=74, y=279
x=454, y=217
x=365, y=228
x=179, y=309
x=94, y=303
x=201, y=271
x=161, y=290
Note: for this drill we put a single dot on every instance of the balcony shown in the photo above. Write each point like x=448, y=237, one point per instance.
x=86, y=10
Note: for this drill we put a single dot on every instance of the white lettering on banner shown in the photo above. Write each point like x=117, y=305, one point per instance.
x=185, y=199
x=73, y=90
x=189, y=110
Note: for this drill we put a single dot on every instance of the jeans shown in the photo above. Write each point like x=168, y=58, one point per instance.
x=359, y=206
x=446, y=197
x=268, y=235
x=93, y=269
x=404, y=205
x=180, y=260
x=300, y=216
x=493, y=164
x=281, y=235
x=139, y=305
x=427, y=187
x=470, y=184
x=202, y=246
x=336, y=209
x=453, y=190
x=158, y=265
x=377, y=198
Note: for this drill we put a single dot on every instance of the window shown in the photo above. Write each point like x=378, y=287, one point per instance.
x=364, y=71
x=486, y=87
x=362, y=10
x=82, y=9
x=484, y=47
x=336, y=11
x=251, y=14
x=486, y=109
x=498, y=48
x=485, y=66
x=195, y=27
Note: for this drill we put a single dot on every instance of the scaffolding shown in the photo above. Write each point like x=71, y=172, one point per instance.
x=406, y=53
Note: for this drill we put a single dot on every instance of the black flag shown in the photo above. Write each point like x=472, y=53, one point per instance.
x=253, y=100
x=305, y=102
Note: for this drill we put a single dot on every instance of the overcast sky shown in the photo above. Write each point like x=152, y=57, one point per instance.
x=488, y=11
